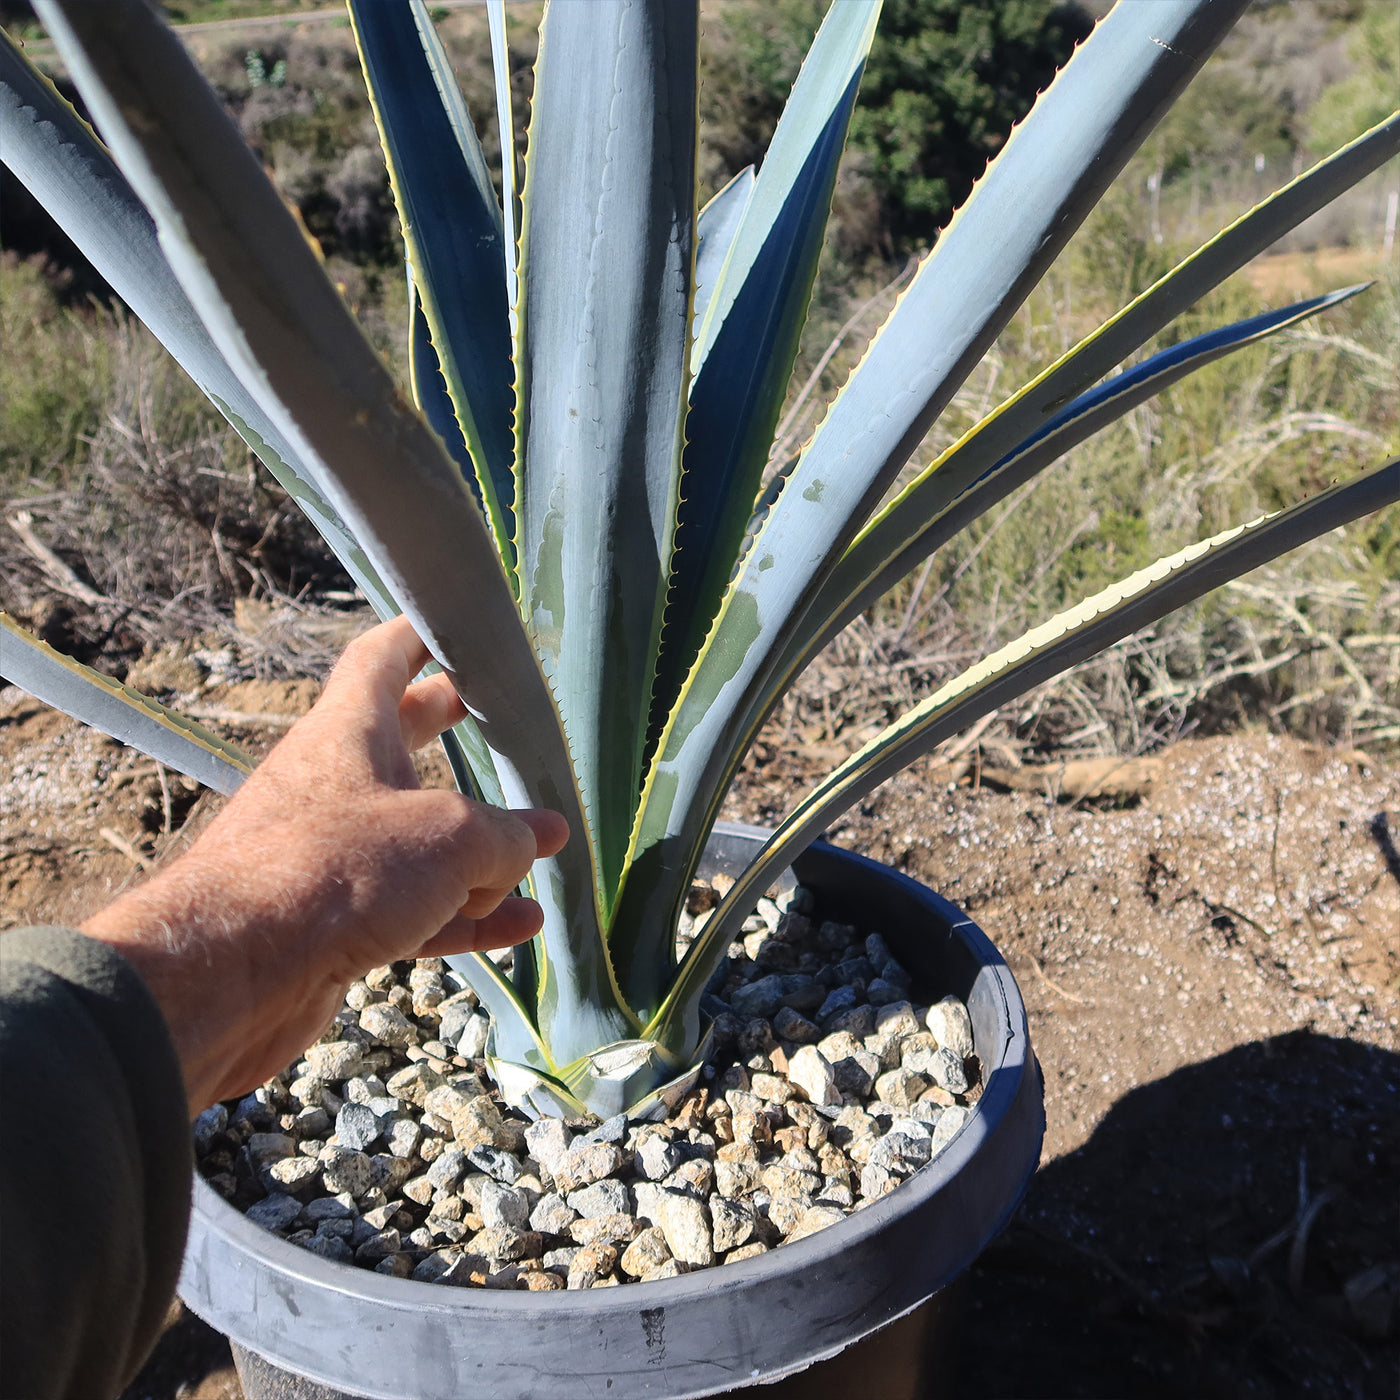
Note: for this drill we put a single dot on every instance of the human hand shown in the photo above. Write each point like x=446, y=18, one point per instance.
x=330, y=860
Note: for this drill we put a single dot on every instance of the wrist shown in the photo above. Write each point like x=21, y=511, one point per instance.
x=187, y=956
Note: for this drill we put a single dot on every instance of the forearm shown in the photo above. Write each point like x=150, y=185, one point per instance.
x=224, y=968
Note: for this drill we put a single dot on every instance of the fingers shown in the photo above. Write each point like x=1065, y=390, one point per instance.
x=513, y=921
x=381, y=661
x=550, y=828
x=551, y=833
x=428, y=708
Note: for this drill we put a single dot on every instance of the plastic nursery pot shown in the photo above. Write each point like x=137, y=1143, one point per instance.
x=304, y=1328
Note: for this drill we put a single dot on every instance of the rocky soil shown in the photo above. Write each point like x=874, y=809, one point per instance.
x=1211, y=960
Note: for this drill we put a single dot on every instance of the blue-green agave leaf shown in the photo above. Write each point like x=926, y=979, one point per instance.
x=1038, y=656
x=715, y=228
x=615, y=1077
x=158, y=731
x=1046, y=178
x=918, y=521
x=247, y=267
x=534, y=1092
x=603, y=320
x=452, y=230
x=1024, y=418
x=57, y=156
x=748, y=339
x=514, y=1035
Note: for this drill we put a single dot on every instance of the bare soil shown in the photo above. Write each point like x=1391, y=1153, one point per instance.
x=1211, y=962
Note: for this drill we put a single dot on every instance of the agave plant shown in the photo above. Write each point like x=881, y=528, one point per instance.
x=577, y=511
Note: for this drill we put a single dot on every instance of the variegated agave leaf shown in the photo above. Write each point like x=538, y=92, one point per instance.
x=116, y=709
x=1040, y=655
x=1044, y=181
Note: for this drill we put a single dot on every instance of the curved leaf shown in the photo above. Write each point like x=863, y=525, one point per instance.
x=1044, y=181
x=1038, y=656
x=505, y=123
x=61, y=161
x=158, y=731
x=57, y=157
x=1026, y=416
x=715, y=228
x=515, y=1035
x=920, y=520
x=246, y=266
x=747, y=341
x=452, y=228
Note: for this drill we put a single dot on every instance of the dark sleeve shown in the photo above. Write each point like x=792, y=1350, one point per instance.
x=95, y=1166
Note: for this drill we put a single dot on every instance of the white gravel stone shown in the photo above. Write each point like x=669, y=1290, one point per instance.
x=552, y=1215
x=619, y=1229
x=876, y=1181
x=346, y=1170
x=475, y=1121
x=816, y=1217
x=948, y=1073
x=404, y=1137
x=736, y=1177
x=388, y=1025
x=356, y=1126
x=502, y=1205
x=656, y=1157
x=950, y=1023
x=646, y=1254
x=507, y=1244
x=607, y=1197
x=390, y=1172
x=732, y=1223
x=896, y=1019
x=548, y=1142
x=472, y=1042
x=415, y=1082
x=811, y=1072
x=296, y=1174
x=503, y=1166
x=904, y=1149
x=340, y=1059
x=686, y=1226
x=447, y=1171
x=419, y=1189
x=307, y=1090
x=916, y=1052
x=949, y=1121
x=900, y=1087
x=586, y=1163
x=313, y=1123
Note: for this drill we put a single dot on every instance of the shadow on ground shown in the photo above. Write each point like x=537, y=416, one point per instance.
x=1231, y=1230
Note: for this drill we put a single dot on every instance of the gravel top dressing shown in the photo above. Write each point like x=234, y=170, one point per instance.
x=828, y=1082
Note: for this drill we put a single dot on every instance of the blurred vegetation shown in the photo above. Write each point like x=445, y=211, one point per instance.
x=146, y=495
x=1367, y=94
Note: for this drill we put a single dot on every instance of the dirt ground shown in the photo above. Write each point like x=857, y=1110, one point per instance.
x=1211, y=962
